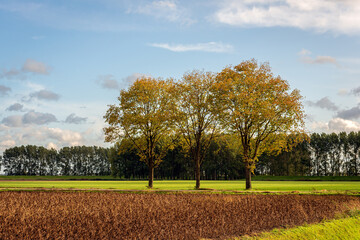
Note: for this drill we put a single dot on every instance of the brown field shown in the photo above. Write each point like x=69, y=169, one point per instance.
x=96, y=215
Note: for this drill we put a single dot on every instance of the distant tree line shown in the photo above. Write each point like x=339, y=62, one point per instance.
x=324, y=155
x=37, y=160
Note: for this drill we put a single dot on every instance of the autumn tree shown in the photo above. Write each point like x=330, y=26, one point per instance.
x=260, y=109
x=144, y=116
x=196, y=115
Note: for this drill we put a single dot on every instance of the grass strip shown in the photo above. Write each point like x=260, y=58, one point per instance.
x=255, y=178
x=271, y=186
x=342, y=229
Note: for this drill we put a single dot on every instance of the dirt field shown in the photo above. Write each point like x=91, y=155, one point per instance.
x=94, y=215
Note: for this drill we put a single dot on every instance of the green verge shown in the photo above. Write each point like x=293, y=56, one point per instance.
x=306, y=178
x=254, y=178
x=342, y=229
x=58, y=178
x=322, y=187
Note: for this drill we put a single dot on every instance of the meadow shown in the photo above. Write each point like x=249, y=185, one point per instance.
x=341, y=229
x=179, y=185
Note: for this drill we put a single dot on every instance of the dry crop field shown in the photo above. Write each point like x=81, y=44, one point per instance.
x=110, y=215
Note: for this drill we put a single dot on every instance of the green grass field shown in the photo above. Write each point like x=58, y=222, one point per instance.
x=341, y=229
x=255, y=178
x=238, y=185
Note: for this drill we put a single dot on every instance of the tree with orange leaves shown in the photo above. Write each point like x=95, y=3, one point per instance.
x=196, y=122
x=260, y=108
x=144, y=118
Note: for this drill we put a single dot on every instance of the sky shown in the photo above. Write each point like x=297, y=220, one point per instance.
x=63, y=62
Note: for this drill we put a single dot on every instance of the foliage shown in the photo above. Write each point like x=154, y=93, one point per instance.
x=258, y=107
x=335, y=154
x=144, y=116
x=296, y=162
x=37, y=160
x=196, y=120
x=223, y=160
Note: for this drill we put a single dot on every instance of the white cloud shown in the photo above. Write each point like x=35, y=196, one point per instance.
x=336, y=125
x=52, y=145
x=16, y=107
x=64, y=136
x=319, y=15
x=355, y=91
x=343, y=92
x=51, y=137
x=37, y=37
x=132, y=78
x=320, y=60
x=4, y=90
x=30, y=66
x=108, y=82
x=304, y=52
x=203, y=47
x=306, y=58
x=35, y=67
x=324, y=103
x=72, y=118
x=12, y=74
x=352, y=113
x=38, y=118
x=165, y=9
x=32, y=118
x=3, y=127
x=45, y=95
x=7, y=144
x=13, y=121
x=339, y=124
x=319, y=126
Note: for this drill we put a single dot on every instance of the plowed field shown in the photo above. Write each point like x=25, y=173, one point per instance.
x=108, y=215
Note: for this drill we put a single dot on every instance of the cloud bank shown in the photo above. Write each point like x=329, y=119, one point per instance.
x=202, y=47
x=30, y=118
x=30, y=66
x=324, y=103
x=337, y=125
x=350, y=114
x=318, y=15
x=15, y=107
x=108, y=82
x=46, y=95
x=72, y=118
x=4, y=90
x=164, y=9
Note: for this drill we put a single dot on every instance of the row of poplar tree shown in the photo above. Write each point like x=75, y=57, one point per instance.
x=68, y=161
x=324, y=155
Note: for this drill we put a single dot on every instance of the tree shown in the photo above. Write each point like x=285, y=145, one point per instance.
x=197, y=117
x=144, y=115
x=354, y=141
x=258, y=107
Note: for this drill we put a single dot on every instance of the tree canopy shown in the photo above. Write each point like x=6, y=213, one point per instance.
x=197, y=118
x=260, y=108
x=144, y=116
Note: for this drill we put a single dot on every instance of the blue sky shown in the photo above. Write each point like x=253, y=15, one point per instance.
x=63, y=62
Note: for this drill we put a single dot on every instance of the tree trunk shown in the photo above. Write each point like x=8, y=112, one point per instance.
x=248, y=177
x=151, y=175
x=197, y=172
